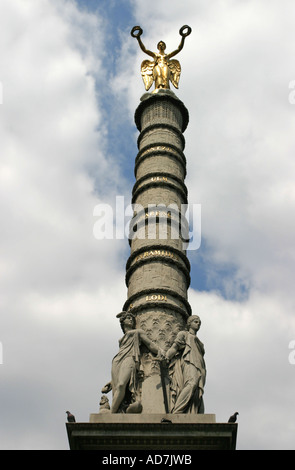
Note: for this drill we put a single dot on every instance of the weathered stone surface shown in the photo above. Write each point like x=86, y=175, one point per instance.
x=148, y=432
x=151, y=418
x=158, y=159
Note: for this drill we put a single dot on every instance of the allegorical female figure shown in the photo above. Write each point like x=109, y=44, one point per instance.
x=161, y=69
x=125, y=366
x=188, y=372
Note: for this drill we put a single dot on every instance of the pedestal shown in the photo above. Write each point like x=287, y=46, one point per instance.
x=164, y=432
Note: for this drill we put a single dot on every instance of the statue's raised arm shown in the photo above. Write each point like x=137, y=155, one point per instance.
x=184, y=32
x=136, y=32
x=162, y=69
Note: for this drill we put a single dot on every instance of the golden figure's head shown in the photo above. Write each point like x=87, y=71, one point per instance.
x=161, y=46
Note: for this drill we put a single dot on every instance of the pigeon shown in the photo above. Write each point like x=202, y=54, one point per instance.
x=71, y=418
x=233, y=418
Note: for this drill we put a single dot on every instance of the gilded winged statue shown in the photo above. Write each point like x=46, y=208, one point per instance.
x=161, y=70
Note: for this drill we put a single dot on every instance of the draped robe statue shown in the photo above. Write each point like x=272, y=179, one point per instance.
x=188, y=371
x=125, y=366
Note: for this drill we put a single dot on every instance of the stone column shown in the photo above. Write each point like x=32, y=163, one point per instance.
x=158, y=271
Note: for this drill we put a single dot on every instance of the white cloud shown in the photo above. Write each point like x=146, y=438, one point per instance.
x=59, y=284
x=247, y=358
x=52, y=131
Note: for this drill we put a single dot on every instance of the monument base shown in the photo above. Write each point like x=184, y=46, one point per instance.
x=163, y=432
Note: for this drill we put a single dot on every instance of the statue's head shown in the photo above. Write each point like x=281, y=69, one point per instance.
x=103, y=400
x=161, y=46
x=126, y=317
x=195, y=319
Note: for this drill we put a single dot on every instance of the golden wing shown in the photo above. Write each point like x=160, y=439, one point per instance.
x=175, y=70
x=147, y=67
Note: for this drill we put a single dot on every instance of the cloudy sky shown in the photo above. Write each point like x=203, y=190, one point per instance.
x=70, y=83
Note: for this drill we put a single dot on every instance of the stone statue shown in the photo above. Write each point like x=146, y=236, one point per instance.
x=104, y=406
x=161, y=69
x=188, y=370
x=125, y=366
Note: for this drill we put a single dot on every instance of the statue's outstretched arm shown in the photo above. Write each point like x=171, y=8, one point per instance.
x=138, y=31
x=150, y=344
x=171, y=352
x=184, y=31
